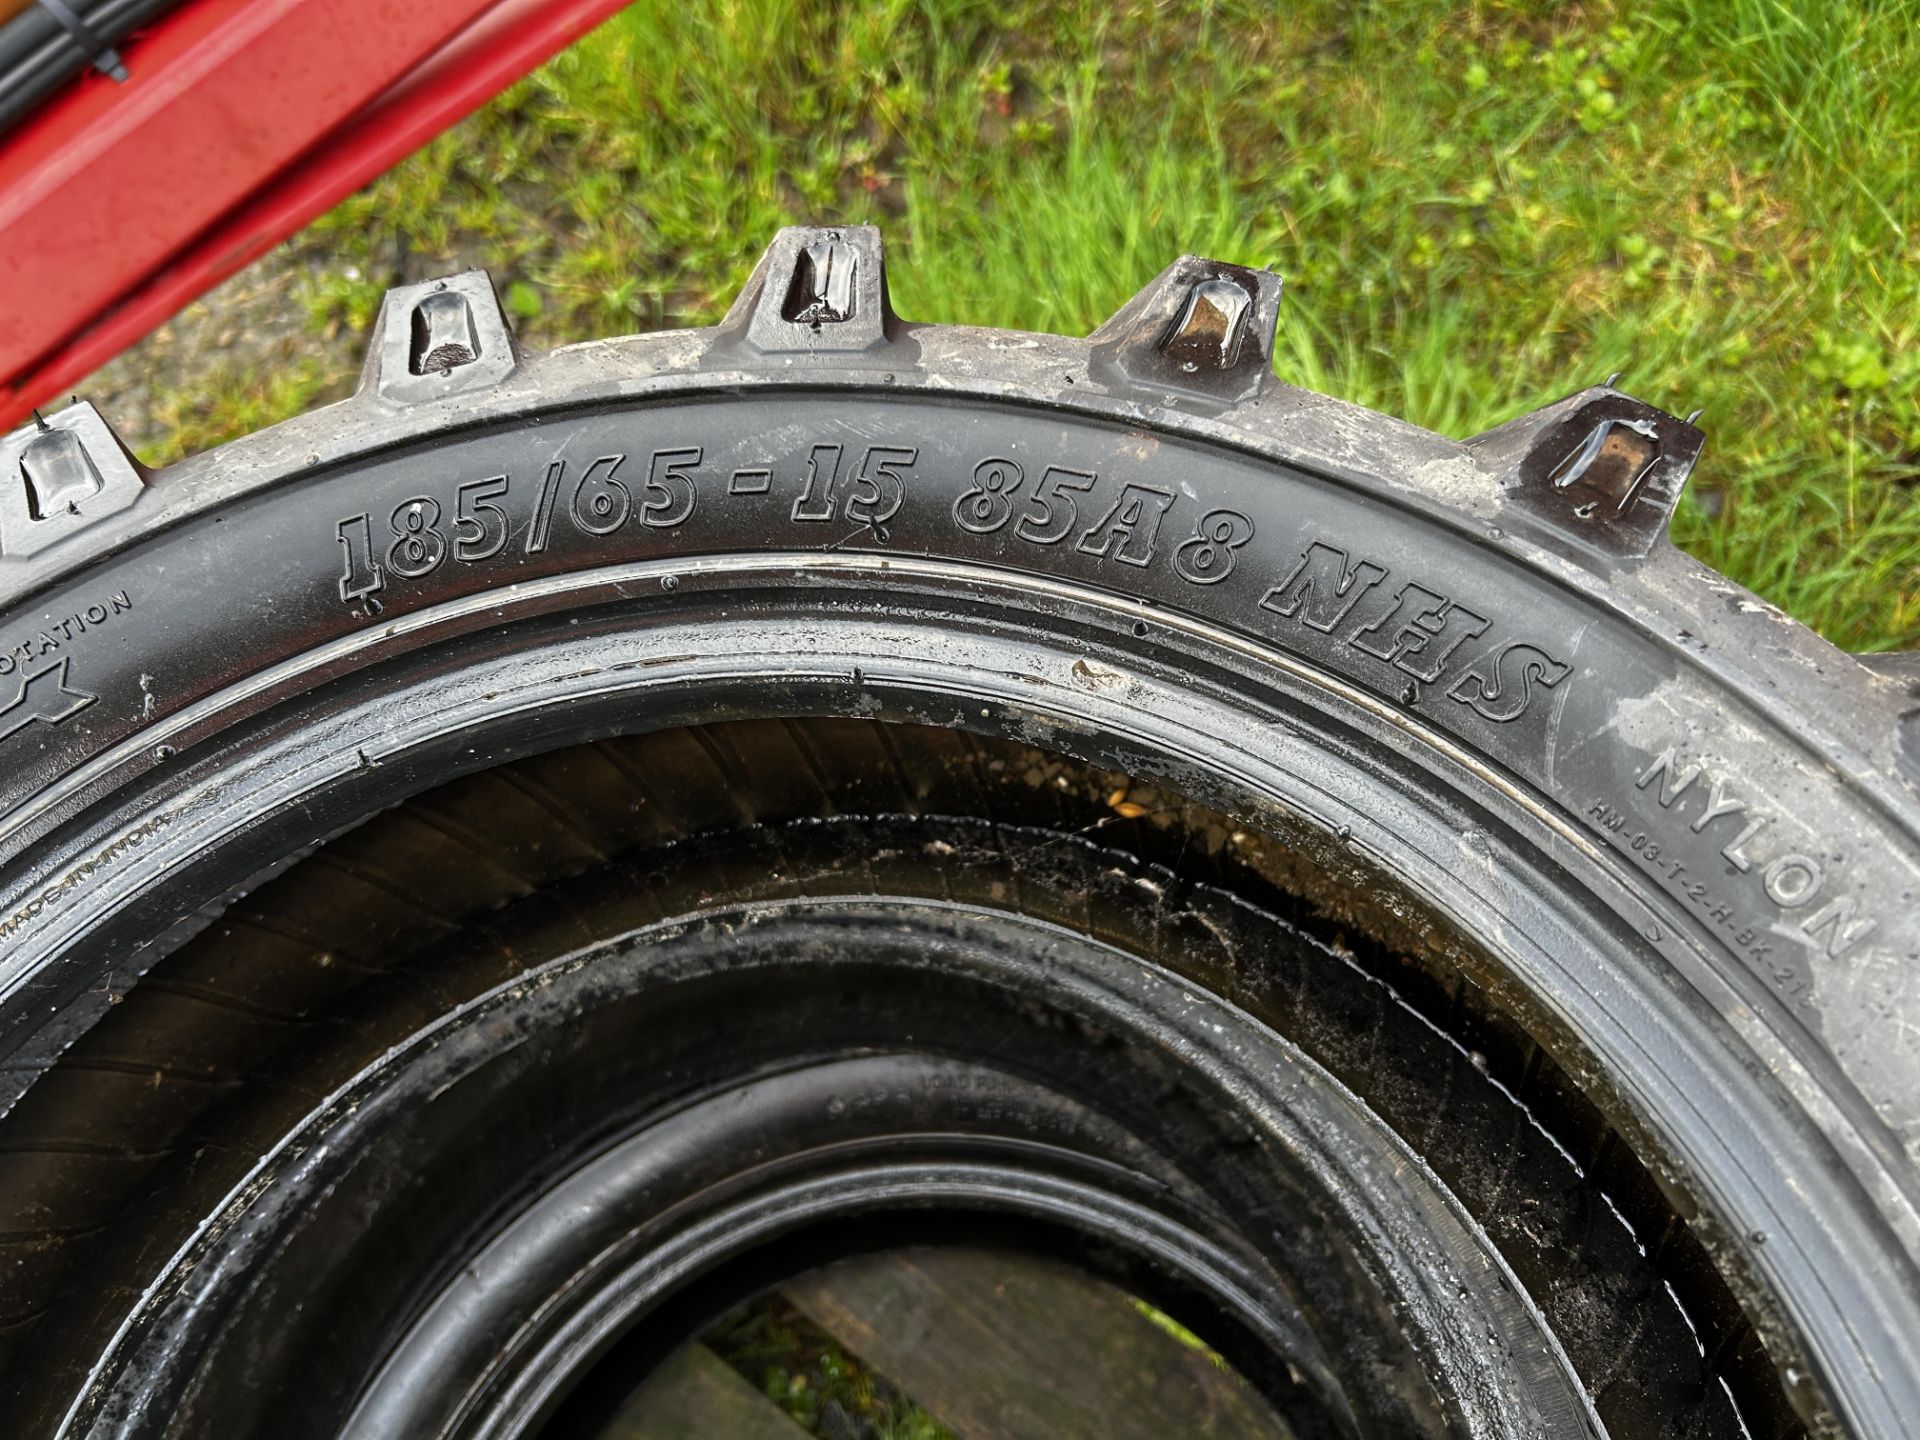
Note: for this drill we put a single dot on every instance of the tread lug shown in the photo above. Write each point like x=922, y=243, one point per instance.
x=439, y=338
x=1201, y=328
x=1598, y=467
x=1902, y=667
x=57, y=476
x=816, y=289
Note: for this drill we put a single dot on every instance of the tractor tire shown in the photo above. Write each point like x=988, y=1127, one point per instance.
x=496, y=870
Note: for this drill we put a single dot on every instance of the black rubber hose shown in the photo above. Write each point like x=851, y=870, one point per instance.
x=39, y=53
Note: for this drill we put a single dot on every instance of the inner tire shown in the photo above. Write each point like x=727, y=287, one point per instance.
x=929, y=978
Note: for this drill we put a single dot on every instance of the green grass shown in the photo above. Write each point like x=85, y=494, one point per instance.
x=1478, y=207
x=812, y=1379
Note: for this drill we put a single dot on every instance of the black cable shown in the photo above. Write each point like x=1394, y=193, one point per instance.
x=47, y=44
x=101, y=55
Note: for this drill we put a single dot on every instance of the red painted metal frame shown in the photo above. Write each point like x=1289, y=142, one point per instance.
x=241, y=120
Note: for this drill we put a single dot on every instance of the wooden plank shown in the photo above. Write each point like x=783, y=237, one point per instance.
x=1006, y=1347
x=696, y=1395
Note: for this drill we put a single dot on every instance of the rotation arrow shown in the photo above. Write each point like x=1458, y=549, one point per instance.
x=44, y=695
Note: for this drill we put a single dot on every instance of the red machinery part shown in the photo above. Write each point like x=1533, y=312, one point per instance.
x=240, y=121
